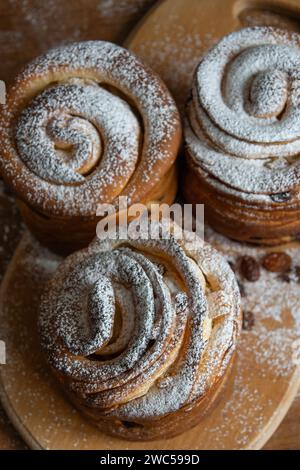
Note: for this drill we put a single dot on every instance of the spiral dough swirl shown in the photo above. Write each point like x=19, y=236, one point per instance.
x=139, y=329
x=243, y=126
x=76, y=117
x=83, y=124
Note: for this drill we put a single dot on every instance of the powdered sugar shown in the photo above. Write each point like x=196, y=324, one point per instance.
x=86, y=112
x=231, y=137
x=158, y=316
x=274, y=303
x=134, y=170
x=175, y=54
x=263, y=362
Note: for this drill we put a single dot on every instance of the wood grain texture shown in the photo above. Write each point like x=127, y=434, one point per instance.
x=10, y=231
x=30, y=27
x=287, y=435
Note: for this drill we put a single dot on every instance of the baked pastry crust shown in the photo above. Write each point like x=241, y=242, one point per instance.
x=84, y=124
x=242, y=136
x=141, y=333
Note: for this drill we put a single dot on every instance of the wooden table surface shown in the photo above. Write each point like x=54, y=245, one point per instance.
x=26, y=29
x=30, y=27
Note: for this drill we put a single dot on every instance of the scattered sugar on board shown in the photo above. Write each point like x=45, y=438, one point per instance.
x=175, y=54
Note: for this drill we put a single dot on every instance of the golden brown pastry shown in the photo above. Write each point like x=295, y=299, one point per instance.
x=84, y=124
x=243, y=136
x=141, y=333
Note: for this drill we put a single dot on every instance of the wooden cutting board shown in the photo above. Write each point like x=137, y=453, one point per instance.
x=264, y=381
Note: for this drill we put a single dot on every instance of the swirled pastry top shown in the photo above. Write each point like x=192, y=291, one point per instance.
x=83, y=124
x=244, y=116
x=140, y=328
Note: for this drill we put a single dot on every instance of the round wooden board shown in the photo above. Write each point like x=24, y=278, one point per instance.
x=261, y=388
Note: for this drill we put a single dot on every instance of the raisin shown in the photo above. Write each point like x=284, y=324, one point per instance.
x=277, y=262
x=249, y=268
